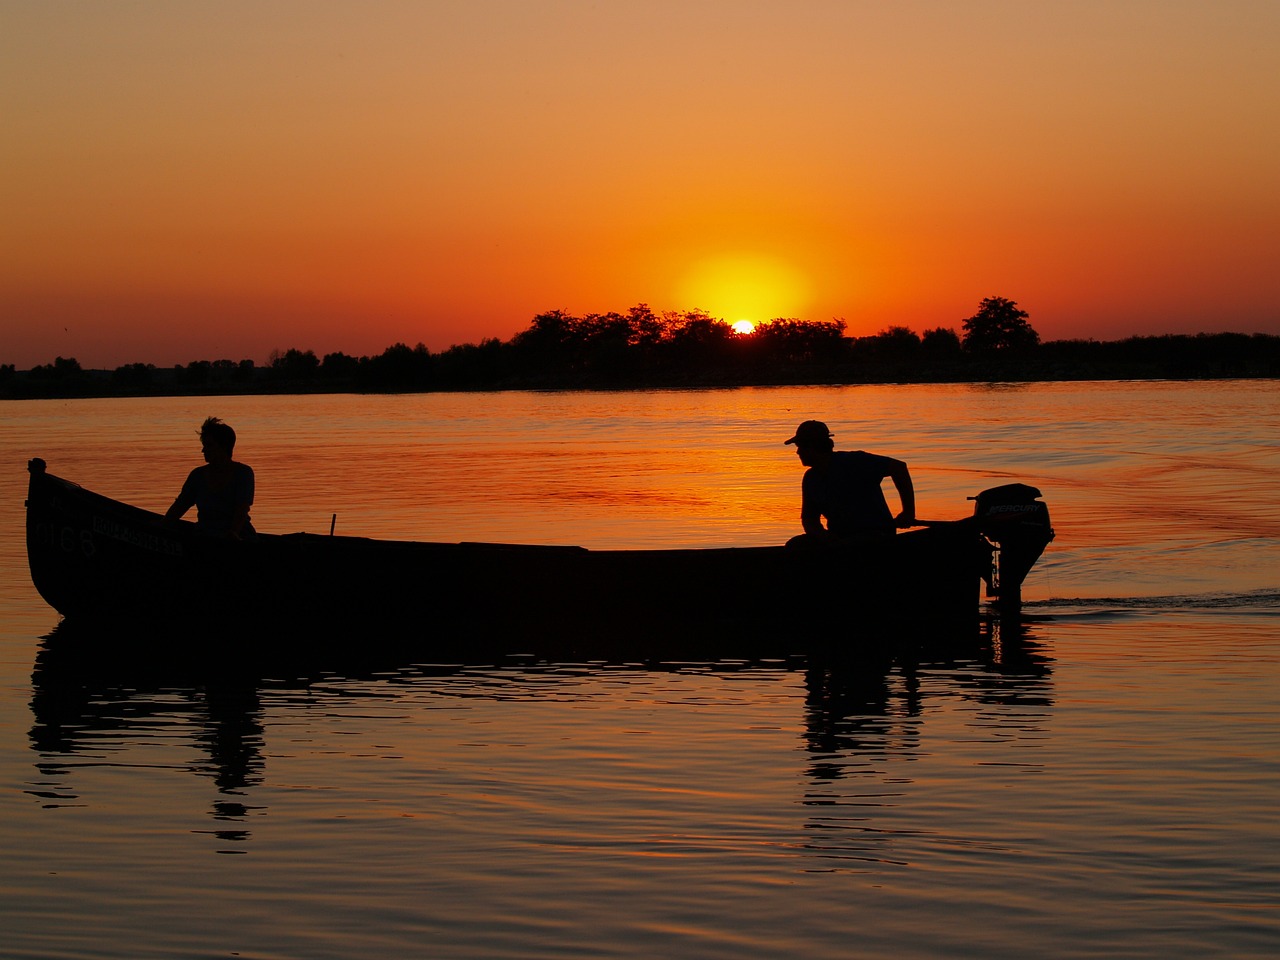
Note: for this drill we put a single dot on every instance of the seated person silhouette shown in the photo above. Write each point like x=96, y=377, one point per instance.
x=844, y=487
x=222, y=490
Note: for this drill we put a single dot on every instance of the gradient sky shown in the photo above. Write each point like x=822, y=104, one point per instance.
x=188, y=181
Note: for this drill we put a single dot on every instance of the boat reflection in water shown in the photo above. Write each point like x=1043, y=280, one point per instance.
x=92, y=707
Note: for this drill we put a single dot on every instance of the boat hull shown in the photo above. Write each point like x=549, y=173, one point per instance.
x=99, y=561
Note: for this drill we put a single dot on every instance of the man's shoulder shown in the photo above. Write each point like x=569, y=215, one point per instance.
x=853, y=457
x=859, y=462
x=862, y=456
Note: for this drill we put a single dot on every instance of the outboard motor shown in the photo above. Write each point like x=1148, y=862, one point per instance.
x=1016, y=522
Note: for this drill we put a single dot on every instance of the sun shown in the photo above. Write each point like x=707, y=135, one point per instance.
x=746, y=289
x=743, y=327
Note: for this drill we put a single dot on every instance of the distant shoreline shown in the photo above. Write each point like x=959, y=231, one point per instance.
x=617, y=365
x=97, y=386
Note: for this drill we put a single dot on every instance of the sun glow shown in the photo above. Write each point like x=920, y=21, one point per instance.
x=745, y=289
x=743, y=327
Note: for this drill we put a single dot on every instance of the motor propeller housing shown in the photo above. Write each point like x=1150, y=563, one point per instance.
x=1016, y=522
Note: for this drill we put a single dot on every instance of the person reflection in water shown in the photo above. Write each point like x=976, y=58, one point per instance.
x=844, y=487
x=222, y=490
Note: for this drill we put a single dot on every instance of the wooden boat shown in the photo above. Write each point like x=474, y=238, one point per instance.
x=99, y=561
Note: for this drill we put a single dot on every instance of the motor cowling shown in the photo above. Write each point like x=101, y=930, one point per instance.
x=1016, y=522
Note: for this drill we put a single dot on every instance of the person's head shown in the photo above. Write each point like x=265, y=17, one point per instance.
x=217, y=438
x=813, y=442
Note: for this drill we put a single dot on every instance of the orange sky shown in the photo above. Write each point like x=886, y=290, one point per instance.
x=210, y=181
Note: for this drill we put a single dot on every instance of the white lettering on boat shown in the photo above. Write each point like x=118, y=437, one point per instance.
x=136, y=538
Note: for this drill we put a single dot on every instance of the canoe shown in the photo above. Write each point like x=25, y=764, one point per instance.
x=99, y=561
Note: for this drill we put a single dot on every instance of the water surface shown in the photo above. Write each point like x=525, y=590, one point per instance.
x=1097, y=780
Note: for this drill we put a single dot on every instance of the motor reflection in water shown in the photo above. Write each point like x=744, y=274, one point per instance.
x=864, y=729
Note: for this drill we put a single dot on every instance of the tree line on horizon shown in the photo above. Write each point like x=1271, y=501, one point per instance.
x=640, y=348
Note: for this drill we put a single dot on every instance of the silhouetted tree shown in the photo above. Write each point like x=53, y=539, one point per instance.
x=399, y=367
x=468, y=365
x=134, y=376
x=645, y=329
x=897, y=343
x=791, y=341
x=194, y=374
x=696, y=336
x=941, y=343
x=338, y=367
x=62, y=368
x=549, y=333
x=551, y=347
x=294, y=365
x=998, y=327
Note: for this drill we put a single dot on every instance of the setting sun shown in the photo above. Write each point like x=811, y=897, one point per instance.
x=743, y=327
x=745, y=289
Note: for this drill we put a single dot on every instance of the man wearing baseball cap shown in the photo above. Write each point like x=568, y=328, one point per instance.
x=844, y=487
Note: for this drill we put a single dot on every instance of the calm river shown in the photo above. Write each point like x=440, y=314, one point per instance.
x=1099, y=781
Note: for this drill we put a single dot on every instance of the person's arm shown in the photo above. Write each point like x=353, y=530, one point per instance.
x=243, y=490
x=901, y=478
x=185, y=500
x=810, y=511
x=238, y=520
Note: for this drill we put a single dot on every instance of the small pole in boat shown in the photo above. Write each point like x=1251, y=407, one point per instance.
x=333, y=523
